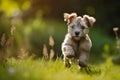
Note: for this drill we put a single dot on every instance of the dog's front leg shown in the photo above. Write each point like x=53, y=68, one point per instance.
x=84, y=49
x=83, y=59
x=68, y=53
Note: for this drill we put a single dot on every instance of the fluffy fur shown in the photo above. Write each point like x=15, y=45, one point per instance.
x=77, y=43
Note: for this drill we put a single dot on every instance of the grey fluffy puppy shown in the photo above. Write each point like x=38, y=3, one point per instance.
x=77, y=43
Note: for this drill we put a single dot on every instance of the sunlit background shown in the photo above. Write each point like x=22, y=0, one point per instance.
x=30, y=23
x=32, y=31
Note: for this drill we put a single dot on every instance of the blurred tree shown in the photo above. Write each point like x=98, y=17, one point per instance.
x=107, y=9
x=102, y=9
x=31, y=13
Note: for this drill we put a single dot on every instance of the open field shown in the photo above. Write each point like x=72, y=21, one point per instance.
x=23, y=67
x=32, y=31
x=41, y=69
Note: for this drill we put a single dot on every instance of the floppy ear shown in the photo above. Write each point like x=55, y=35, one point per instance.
x=69, y=17
x=66, y=16
x=89, y=20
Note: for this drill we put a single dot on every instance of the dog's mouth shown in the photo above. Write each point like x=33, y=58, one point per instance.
x=76, y=37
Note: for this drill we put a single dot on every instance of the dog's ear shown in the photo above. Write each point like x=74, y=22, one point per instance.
x=69, y=17
x=66, y=16
x=89, y=20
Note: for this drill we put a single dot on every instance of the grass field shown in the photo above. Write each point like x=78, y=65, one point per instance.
x=40, y=69
x=26, y=68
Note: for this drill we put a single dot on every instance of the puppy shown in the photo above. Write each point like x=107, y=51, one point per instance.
x=77, y=43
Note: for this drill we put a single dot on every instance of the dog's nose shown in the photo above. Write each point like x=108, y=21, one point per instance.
x=77, y=33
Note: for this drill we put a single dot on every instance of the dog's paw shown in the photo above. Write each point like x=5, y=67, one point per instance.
x=68, y=51
x=81, y=64
x=67, y=64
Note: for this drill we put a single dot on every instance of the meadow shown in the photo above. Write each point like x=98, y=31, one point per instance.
x=32, y=51
x=40, y=69
x=31, y=33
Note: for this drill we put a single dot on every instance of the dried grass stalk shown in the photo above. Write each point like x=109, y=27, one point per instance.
x=52, y=53
x=12, y=31
x=115, y=29
x=51, y=41
x=23, y=54
x=3, y=39
x=45, y=52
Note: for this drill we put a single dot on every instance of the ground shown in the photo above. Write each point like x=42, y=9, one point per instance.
x=40, y=69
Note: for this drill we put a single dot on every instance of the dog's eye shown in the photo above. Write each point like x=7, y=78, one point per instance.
x=82, y=27
x=72, y=27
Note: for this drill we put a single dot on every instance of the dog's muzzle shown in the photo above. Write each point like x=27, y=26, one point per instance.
x=77, y=34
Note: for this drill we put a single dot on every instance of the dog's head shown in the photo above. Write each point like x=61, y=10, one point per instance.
x=78, y=26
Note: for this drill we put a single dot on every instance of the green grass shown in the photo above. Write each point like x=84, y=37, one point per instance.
x=41, y=69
